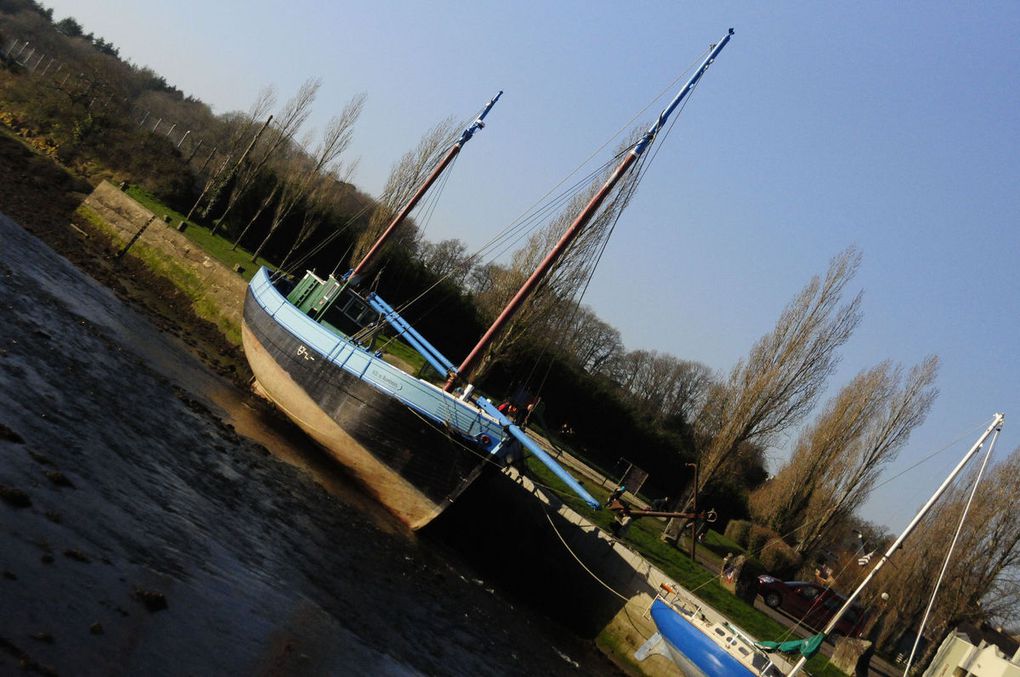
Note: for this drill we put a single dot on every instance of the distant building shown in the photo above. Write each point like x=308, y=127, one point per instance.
x=977, y=651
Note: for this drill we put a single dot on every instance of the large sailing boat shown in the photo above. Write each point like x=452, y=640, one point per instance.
x=415, y=445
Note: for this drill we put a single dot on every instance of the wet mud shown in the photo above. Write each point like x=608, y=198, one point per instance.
x=146, y=529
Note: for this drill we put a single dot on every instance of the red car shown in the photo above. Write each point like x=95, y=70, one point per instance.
x=812, y=604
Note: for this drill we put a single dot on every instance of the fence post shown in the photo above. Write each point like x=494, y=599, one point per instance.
x=134, y=238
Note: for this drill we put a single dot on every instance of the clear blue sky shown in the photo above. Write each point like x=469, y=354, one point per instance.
x=892, y=126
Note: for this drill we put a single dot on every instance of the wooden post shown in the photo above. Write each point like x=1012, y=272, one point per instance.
x=195, y=149
x=694, y=523
x=134, y=238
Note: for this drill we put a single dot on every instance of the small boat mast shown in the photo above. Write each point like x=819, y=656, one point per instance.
x=464, y=371
x=995, y=426
x=469, y=131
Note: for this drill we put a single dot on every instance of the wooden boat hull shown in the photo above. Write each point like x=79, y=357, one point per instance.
x=413, y=466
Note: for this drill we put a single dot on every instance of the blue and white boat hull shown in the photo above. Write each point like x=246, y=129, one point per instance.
x=702, y=647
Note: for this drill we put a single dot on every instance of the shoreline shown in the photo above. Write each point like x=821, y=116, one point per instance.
x=43, y=197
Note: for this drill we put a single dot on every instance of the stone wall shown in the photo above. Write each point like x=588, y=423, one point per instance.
x=222, y=288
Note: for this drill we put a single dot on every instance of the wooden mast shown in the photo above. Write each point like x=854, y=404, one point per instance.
x=420, y=193
x=471, y=361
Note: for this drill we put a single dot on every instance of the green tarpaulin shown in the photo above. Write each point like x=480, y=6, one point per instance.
x=805, y=647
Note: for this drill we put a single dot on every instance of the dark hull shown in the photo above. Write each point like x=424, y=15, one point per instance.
x=413, y=466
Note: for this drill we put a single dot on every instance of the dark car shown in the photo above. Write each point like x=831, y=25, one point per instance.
x=812, y=604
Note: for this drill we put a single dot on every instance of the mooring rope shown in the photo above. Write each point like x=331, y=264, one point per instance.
x=583, y=565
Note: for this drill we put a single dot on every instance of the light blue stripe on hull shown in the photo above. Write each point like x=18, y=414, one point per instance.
x=321, y=343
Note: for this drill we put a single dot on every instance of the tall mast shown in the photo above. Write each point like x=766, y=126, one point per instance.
x=420, y=193
x=470, y=362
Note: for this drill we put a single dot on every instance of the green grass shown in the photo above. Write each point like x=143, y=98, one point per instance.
x=720, y=545
x=644, y=537
x=216, y=246
x=181, y=276
x=222, y=250
x=405, y=353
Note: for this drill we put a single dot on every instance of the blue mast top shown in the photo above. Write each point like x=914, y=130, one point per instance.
x=479, y=121
x=668, y=110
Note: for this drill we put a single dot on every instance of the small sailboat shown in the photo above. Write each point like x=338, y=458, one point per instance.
x=702, y=645
x=417, y=446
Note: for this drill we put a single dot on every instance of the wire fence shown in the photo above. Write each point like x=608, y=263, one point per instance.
x=44, y=65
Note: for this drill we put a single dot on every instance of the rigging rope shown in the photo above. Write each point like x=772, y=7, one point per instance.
x=528, y=221
x=514, y=232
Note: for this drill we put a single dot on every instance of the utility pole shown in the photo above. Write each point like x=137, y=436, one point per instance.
x=694, y=509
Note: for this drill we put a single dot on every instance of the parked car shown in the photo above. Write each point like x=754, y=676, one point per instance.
x=813, y=604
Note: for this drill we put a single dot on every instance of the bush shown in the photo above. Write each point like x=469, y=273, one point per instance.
x=757, y=538
x=780, y=559
x=738, y=531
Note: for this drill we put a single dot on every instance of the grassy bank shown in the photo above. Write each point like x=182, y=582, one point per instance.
x=183, y=278
x=215, y=246
x=223, y=251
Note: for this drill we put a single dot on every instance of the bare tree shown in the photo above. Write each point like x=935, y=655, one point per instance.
x=591, y=341
x=853, y=474
x=661, y=385
x=328, y=190
x=232, y=136
x=264, y=203
x=782, y=502
x=780, y=380
x=982, y=581
x=550, y=308
x=446, y=258
x=406, y=176
x=481, y=278
x=294, y=114
x=837, y=460
x=303, y=176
